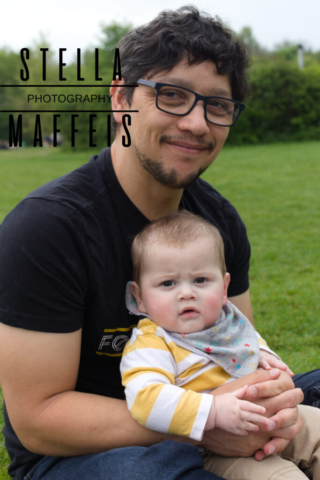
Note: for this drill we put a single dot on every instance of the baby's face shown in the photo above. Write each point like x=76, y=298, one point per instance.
x=182, y=289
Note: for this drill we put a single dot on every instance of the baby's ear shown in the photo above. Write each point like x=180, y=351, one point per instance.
x=136, y=292
x=226, y=281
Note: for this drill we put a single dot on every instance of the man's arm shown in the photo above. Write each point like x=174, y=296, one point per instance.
x=243, y=302
x=38, y=373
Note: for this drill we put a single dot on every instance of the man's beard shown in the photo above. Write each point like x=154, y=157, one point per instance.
x=168, y=179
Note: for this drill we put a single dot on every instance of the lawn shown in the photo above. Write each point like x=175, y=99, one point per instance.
x=276, y=190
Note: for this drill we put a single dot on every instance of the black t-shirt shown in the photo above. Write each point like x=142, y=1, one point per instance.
x=65, y=261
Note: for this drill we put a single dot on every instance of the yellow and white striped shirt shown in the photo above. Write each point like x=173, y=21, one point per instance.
x=162, y=382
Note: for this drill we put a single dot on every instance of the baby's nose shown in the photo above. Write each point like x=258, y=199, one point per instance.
x=187, y=292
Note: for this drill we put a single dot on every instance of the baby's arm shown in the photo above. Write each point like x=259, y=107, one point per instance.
x=230, y=413
x=148, y=375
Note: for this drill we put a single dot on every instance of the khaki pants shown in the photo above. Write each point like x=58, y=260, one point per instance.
x=300, y=460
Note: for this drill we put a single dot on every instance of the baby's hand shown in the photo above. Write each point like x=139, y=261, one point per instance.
x=230, y=413
x=268, y=361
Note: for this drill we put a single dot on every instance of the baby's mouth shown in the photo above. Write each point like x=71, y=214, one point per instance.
x=189, y=312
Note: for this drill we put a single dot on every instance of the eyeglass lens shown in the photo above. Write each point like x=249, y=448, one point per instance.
x=179, y=101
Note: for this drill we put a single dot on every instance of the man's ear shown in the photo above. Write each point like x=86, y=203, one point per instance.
x=136, y=292
x=118, y=100
x=226, y=281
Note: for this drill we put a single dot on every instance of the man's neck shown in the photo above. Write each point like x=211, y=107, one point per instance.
x=148, y=195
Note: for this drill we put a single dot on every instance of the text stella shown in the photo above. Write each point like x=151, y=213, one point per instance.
x=25, y=74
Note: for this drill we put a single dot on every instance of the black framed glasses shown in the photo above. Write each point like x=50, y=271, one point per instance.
x=180, y=101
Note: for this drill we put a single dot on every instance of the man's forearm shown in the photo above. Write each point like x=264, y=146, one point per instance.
x=75, y=423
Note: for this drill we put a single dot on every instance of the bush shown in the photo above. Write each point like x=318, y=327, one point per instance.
x=284, y=105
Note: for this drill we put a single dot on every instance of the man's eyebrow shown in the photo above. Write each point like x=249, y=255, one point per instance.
x=181, y=82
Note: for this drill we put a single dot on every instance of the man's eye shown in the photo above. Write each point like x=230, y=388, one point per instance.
x=171, y=93
x=168, y=283
x=171, y=96
x=200, y=280
x=220, y=107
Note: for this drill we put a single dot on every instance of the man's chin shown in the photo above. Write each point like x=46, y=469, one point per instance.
x=180, y=183
x=169, y=179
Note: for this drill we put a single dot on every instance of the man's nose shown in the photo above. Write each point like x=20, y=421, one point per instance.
x=195, y=121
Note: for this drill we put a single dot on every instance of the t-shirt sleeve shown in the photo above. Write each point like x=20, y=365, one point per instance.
x=237, y=251
x=43, y=267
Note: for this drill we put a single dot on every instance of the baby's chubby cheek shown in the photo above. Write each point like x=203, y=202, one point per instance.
x=213, y=303
x=160, y=312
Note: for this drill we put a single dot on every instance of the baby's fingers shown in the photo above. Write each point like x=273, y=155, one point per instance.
x=264, y=364
x=251, y=407
x=239, y=431
x=247, y=426
x=254, y=417
x=275, y=363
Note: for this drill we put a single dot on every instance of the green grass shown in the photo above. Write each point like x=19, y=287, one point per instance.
x=276, y=190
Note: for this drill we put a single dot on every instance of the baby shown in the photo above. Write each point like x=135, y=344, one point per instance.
x=193, y=338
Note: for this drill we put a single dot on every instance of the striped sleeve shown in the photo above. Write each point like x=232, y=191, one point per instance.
x=148, y=371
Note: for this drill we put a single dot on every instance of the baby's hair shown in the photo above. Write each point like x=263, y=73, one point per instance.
x=176, y=230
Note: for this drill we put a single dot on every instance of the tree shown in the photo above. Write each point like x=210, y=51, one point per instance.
x=252, y=45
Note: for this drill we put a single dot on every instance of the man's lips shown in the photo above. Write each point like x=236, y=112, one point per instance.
x=195, y=146
x=188, y=147
x=187, y=144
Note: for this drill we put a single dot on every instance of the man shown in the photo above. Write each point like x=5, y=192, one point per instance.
x=65, y=262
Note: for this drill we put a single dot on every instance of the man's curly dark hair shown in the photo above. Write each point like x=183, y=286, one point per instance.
x=185, y=33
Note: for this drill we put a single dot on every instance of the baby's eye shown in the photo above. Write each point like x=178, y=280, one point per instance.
x=200, y=280
x=168, y=283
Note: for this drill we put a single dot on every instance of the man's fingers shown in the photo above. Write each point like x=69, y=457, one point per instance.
x=278, y=444
x=284, y=407
x=274, y=387
x=289, y=431
x=266, y=383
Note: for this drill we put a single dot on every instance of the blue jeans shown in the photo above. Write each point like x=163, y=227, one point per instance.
x=310, y=385
x=166, y=461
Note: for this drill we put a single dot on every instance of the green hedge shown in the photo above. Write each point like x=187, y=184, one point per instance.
x=284, y=105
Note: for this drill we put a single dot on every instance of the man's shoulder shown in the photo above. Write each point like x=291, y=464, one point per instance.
x=205, y=200
x=74, y=195
x=79, y=189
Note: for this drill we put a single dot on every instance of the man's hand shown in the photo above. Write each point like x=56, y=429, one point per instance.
x=274, y=390
x=280, y=399
x=268, y=361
